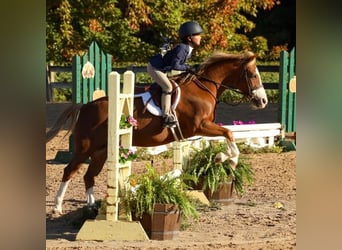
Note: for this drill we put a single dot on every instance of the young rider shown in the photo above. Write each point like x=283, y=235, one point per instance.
x=175, y=59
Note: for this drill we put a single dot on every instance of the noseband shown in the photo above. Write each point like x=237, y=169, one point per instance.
x=251, y=91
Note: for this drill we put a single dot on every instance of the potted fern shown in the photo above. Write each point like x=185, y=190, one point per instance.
x=159, y=202
x=218, y=179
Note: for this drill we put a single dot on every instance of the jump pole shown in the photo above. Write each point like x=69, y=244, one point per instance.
x=181, y=149
x=113, y=227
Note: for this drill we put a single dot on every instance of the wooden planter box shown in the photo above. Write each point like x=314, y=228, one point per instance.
x=223, y=195
x=163, y=224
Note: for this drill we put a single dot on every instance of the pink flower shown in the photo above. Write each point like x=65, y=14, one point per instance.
x=126, y=154
x=123, y=155
x=131, y=151
x=238, y=122
x=241, y=122
x=132, y=121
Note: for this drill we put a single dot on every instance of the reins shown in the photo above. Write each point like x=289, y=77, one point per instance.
x=217, y=85
x=202, y=86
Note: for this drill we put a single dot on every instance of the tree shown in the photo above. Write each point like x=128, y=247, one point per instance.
x=130, y=29
x=73, y=24
x=277, y=26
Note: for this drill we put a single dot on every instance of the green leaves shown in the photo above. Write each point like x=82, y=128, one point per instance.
x=129, y=29
x=150, y=188
x=202, y=166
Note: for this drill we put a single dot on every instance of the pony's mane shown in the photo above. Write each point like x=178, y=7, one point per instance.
x=222, y=56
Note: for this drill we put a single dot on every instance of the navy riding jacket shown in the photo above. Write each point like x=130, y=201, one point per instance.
x=174, y=59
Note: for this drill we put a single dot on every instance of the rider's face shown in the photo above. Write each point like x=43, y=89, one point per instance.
x=196, y=39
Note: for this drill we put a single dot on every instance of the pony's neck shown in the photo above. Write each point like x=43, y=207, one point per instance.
x=224, y=72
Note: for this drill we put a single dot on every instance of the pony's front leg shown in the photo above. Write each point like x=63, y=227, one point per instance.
x=233, y=153
x=209, y=128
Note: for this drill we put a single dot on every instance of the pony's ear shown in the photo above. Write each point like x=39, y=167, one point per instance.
x=249, y=56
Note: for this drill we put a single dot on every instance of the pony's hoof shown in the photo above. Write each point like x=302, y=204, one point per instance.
x=90, y=212
x=57, y=211
x=220, y=157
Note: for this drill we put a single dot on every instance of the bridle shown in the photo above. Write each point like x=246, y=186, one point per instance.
x=251, y=91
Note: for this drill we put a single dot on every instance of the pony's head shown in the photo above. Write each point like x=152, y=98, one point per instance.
x=253, y=81
x=236, y=71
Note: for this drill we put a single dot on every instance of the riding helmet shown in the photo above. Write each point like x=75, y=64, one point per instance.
x=188, y=29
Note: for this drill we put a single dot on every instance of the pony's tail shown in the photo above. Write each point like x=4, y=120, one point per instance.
x=71, y=112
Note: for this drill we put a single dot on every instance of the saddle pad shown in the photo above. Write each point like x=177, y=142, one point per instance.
x=151, y=106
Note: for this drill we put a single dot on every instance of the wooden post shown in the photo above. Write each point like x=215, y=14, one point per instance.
x=177, y=155
x=118, y=104
x=112, y=228
x=283, y=89
x=287, y=98
x=113, y=146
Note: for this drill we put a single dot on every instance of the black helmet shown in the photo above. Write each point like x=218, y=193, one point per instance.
x=188, y=29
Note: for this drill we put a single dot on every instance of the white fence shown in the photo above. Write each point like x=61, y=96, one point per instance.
x=255, y=135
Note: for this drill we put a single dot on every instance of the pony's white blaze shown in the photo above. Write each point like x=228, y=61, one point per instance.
x=260, y=93
x=60, y=196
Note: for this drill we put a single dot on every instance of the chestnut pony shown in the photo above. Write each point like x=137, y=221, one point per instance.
x=195, y=111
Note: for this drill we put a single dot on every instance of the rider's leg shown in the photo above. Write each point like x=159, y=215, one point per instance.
x=164, y=82
x=166, y=102
x=169, y=119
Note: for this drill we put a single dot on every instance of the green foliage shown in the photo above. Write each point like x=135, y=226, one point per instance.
x=232, y=97
x=72, y=25
x=203, y=166
x=62, y=95
x=144, y=155
x=259, y=46
x=242, y=175
x=151, y=188
x=130, y=30
x=272, y=95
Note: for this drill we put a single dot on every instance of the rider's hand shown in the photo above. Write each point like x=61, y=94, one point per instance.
x=191, y=70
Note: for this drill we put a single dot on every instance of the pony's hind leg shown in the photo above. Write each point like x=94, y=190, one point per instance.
x=69, y=172
x=98, y=159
